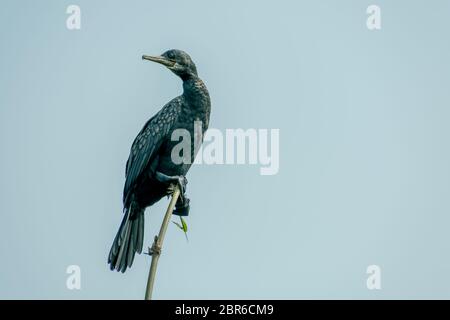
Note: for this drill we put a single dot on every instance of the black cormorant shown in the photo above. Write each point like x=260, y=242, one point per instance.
x=150, y=169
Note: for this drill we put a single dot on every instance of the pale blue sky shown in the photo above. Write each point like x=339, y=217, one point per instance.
x=364, y=153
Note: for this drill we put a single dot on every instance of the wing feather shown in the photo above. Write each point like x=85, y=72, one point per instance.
x=148, y=142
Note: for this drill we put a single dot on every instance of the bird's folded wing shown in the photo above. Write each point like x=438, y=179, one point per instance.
x=147, y=143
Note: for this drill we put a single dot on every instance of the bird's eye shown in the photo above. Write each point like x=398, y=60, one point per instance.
x=170, y=55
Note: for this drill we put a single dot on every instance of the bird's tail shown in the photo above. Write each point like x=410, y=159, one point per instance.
x=129, y=239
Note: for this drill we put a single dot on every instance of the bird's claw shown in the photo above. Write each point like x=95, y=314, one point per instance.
x=182, y=206
x=173, y=181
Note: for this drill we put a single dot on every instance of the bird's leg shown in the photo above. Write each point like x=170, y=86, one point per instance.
x=182, y=205
x=172, y=181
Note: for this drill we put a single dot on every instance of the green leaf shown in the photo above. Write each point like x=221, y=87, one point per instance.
x=184, y=227
x=178, y=225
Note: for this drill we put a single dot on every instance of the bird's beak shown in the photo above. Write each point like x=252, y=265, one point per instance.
x=164, y=61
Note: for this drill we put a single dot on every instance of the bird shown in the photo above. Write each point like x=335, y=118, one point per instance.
x=150, y=172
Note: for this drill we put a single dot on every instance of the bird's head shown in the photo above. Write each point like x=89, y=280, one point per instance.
x=179, y=62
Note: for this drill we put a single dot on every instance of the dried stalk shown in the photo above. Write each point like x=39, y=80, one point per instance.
x=155, y=250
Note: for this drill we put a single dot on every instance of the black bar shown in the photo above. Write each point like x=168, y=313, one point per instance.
x=225, y=309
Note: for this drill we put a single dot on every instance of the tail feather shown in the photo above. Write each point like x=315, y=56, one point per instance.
x=140, y=236
x=129, y=239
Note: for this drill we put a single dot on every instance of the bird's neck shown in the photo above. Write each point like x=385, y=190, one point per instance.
x=194, y=90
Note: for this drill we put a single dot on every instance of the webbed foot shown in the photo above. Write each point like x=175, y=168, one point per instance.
x=182, y=205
